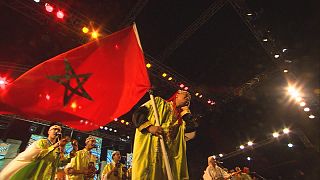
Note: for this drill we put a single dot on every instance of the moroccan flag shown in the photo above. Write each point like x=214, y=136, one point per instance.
x=86, y=87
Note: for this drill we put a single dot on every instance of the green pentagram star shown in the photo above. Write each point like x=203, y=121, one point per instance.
x=64, y=80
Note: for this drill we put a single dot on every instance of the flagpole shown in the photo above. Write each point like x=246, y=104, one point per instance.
x=163, y=148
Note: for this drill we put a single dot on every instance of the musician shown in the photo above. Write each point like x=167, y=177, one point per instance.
x=82, y=166
x=114, y=170
x=214, y=172
x=75, y=148
x=38, y=161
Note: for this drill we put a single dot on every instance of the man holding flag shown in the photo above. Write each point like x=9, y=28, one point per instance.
x=175, y=120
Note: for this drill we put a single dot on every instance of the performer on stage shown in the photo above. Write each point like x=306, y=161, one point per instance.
x=82, y=166
x=75, y=148
x=39, y=161
x=214, y=172
x=175, y=120
x=114, y=170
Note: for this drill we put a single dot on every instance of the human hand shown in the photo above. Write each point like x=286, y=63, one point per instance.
x=155, y=130
x=185, y=108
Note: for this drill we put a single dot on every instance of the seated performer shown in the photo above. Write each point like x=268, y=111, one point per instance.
x=39, y=161
x=214, y=172
x=114, y=170
x=82, y=166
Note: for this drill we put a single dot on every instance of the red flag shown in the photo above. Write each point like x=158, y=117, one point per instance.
x=86, y=87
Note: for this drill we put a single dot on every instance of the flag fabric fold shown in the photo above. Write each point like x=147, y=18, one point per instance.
x=86, y=87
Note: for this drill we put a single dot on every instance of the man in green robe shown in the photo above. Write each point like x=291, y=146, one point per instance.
x=175, y=120
x=38, y=161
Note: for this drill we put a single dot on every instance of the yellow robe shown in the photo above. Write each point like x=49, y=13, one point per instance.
x=40, y=151
x=108, y=168
x=147, y=163
x=79, y=162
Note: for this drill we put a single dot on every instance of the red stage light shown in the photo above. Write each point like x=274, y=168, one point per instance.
x=49, y=8
x=3, y=82
x=60, y=14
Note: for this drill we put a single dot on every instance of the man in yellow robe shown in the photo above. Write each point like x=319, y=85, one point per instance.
x=82, y=166
x=114, y=170
x=175, y=120
x=42, y=151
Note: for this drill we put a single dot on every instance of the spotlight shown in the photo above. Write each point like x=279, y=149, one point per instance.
x=197, y=94
x=73, y=105
x=220, y=155
x=200, y=96
x=250, y=143
x=85, y=30
x=48, y=97
x=306, y=109
x=241, y=146
x=127, y=123
x=249, y=158
x=36, y=1
x=286, y=130
x=101, y=127
x=170, y=78
x=164, y=75
x=115, y=119
x=311, y=116
x=302, y=104
x=105, y=128
x=275, y=134
x=265, y=40
x=290, y=145
x=284, y=50
x=60, y=14
x=3, y=82
x=48, y=7
x=148, y=65
x=285, y=70
x=249, y=14
x=293, y=92
x=181, y=85
x=94, y=34
x=123, y=121
x=276, y=56
x=186, y=88
x=115, y=130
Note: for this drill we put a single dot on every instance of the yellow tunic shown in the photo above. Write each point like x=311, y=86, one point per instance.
x=147, y=163
x=38, y=161
x=108, y=168
x=80, y=162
